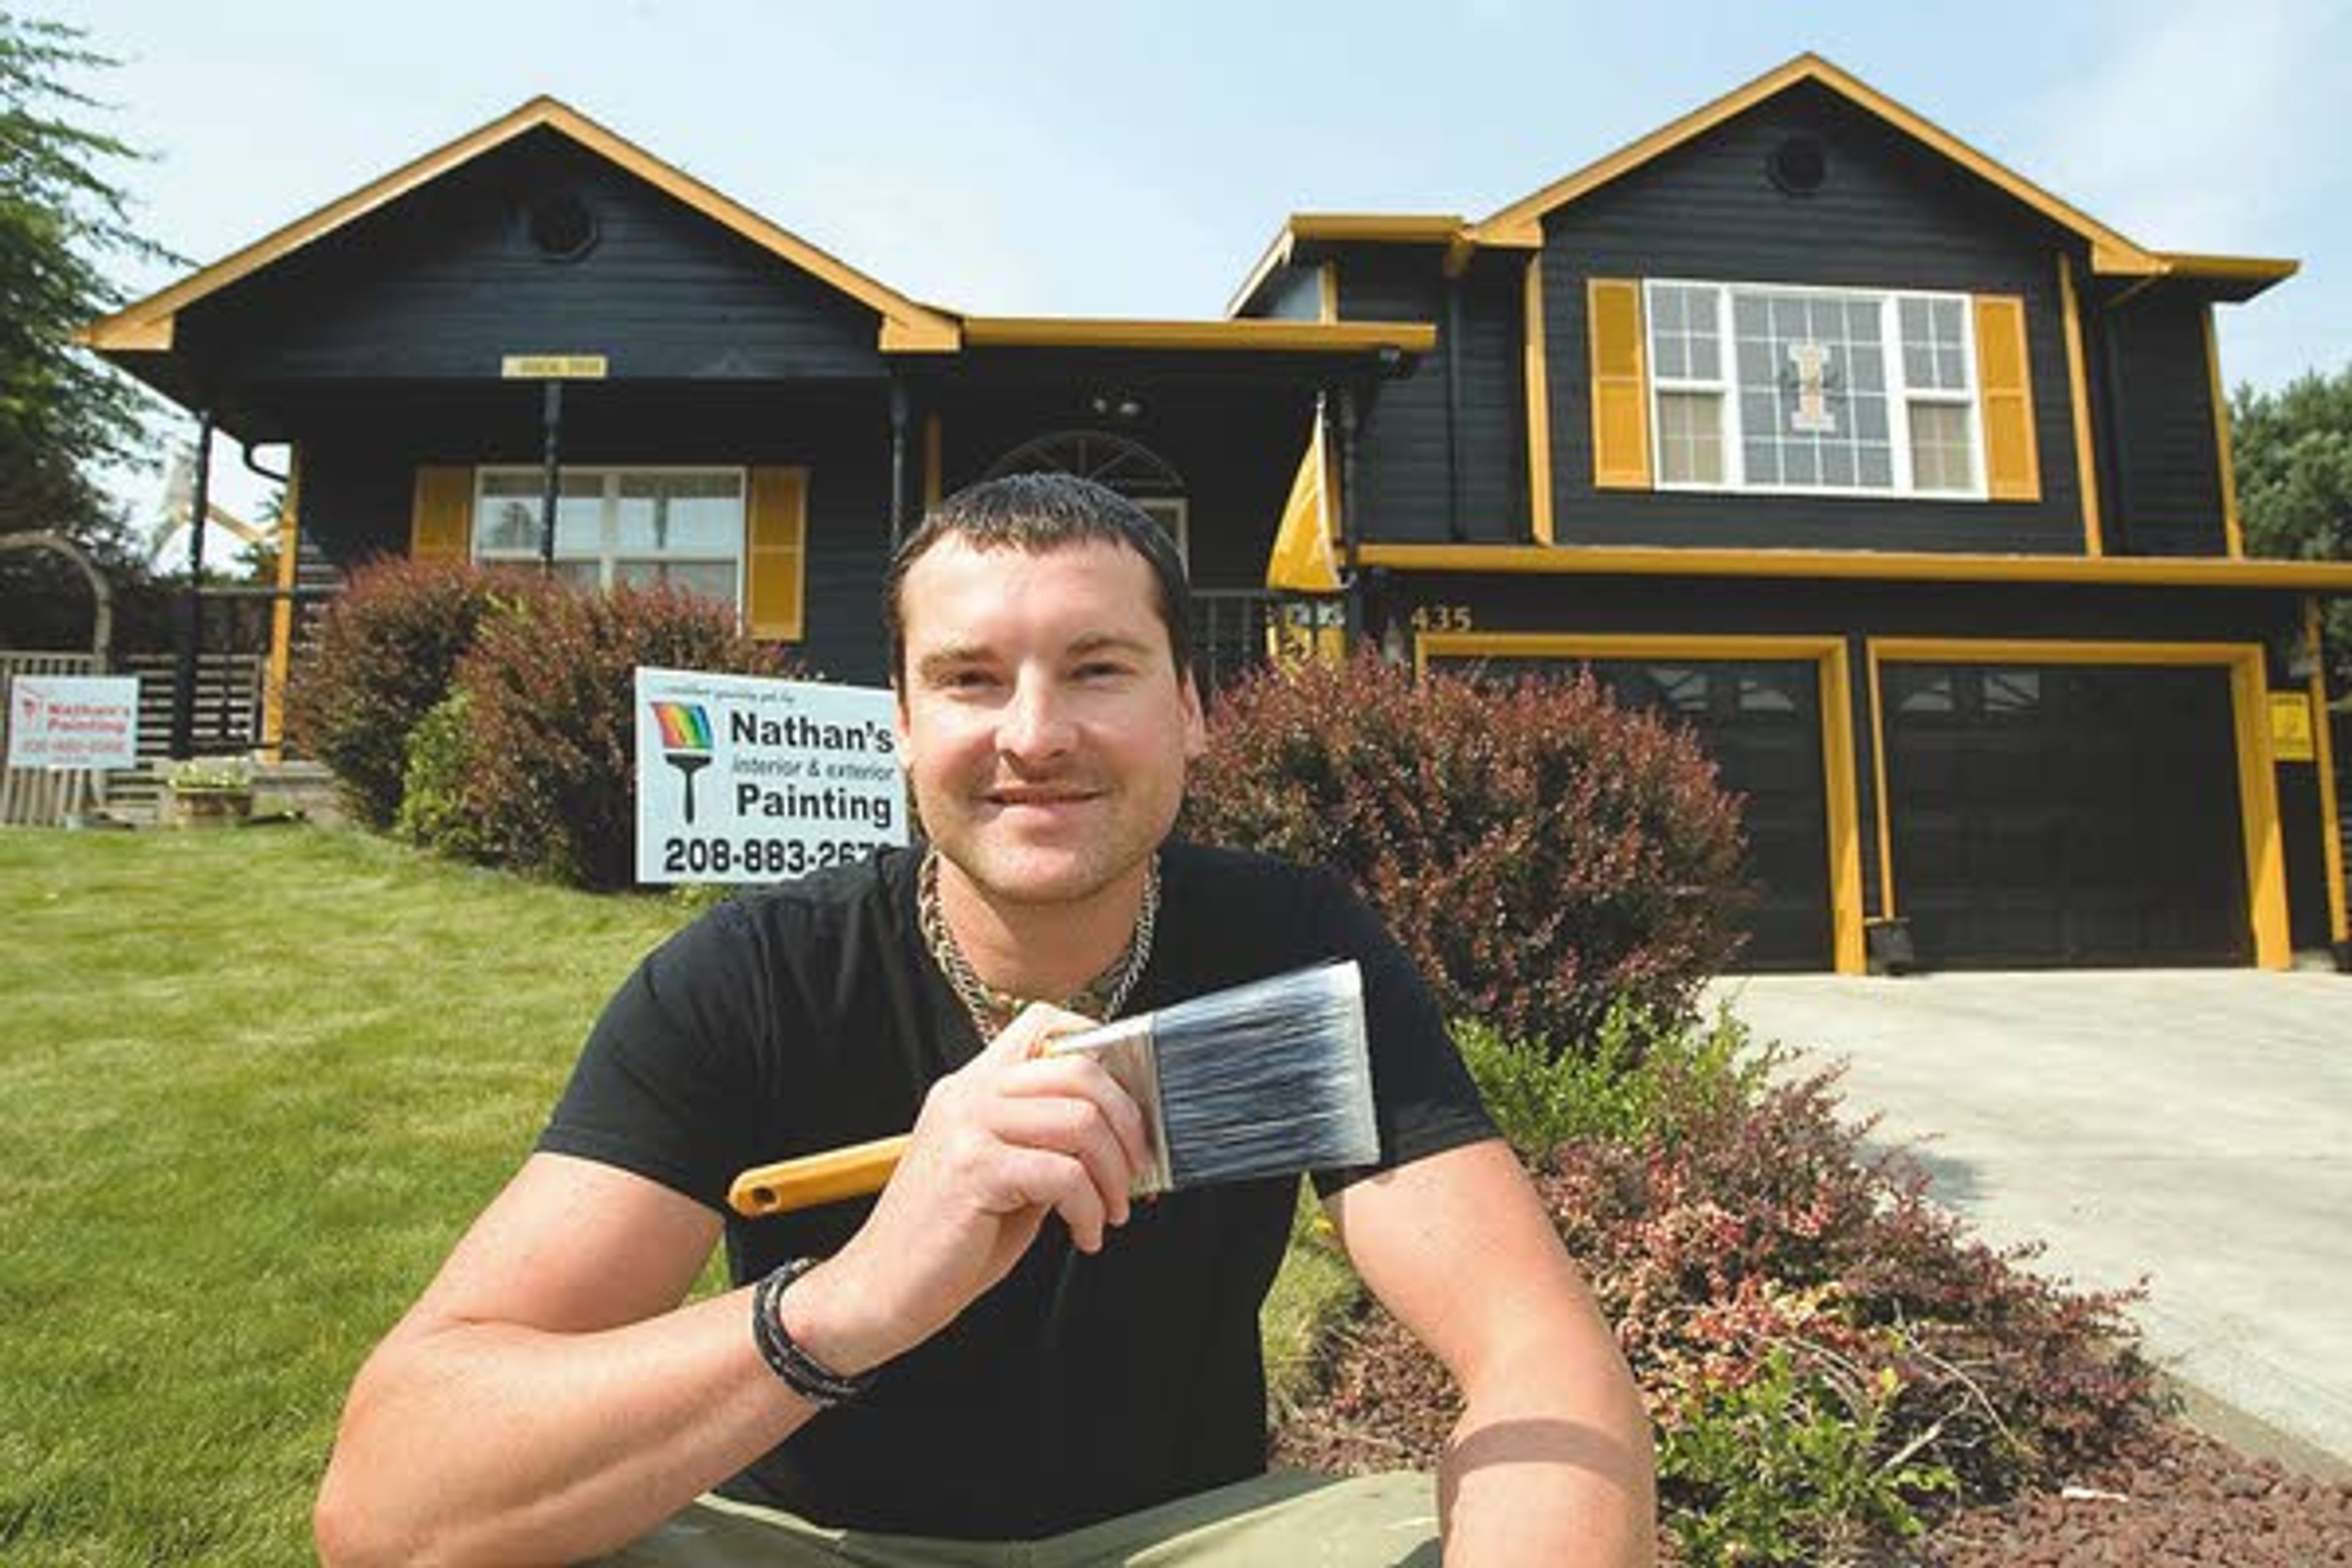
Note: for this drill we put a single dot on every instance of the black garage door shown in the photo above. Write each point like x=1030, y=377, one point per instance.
x=2065, y=814
x=1762, y=723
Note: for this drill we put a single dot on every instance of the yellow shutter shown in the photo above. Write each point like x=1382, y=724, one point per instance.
x=775, y=550
x=2005, y=389
x=1621, y=399
x=441, y=518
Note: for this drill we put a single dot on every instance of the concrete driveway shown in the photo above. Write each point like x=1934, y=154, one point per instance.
x=2192, y=1126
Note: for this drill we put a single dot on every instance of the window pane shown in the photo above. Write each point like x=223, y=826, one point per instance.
x=1690, y=438
x=1939, y=447
x=1671, y=361
x=1706, y=355
x=710, y=579
x=1812, y=385
x=1750, y=317
x=1876, y=466
x=506, y=518
x=687, y=514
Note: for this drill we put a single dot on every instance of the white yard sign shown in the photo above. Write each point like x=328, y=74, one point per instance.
x=741, y=779
x=63, y=721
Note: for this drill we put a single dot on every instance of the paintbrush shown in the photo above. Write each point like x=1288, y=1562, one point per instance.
x=1270, y=1079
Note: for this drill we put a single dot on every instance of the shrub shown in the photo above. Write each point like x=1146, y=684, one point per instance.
x=1539, y=851
x=551, y=729
x=433, y=812
x=1612, y=1087
x=1827, y=1355
x=381, y=655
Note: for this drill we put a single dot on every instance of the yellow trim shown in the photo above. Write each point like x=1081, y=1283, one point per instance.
x=1302, y=560
x=775, y=554
x=281, y=614
x=441, y=513
x=1886, y=907
x=2086, y=457
x=1523, y=219
x=2012, y=451
x=1375, y=228
x=149, y=325
x=1616, y=344
x=2331, y=822
x=1538, y=388
x=2264, y=270
x=1327, y=302
x=933, y=468
x=2257, y=782
x=1827, y=654
x=1890, y=567
x=2233, y=526
x=1251, y=335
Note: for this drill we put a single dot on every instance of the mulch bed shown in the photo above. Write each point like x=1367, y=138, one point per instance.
x=2175, y=1499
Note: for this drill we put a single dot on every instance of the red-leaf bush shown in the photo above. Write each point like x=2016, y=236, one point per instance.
x=1543, y=853
x=1828, y=1356
x=549, y=722
x=380, y=658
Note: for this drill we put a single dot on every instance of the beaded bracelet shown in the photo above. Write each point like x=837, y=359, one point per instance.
x=799, y=1371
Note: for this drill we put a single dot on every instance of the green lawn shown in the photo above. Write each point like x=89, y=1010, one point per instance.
x=252, y=1085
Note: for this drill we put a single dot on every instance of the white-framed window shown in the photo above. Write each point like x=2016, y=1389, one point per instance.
x=1813, y=391
x=642, y=526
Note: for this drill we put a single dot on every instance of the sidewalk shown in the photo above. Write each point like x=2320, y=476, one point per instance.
x=2192, y=1126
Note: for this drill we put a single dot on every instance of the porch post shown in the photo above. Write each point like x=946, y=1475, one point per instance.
x=551, y=472
x=899, y=415
x=1352, y=629
x=192, y=604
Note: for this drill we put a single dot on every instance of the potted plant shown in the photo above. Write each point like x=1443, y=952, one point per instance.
x=210, y=792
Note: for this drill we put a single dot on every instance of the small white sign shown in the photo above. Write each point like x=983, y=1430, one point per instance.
x=743, y=779
x=68, y=722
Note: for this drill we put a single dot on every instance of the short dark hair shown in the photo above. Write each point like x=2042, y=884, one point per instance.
x=1034, y=513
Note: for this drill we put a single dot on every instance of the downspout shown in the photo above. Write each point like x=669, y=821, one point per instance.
x=1456, y=528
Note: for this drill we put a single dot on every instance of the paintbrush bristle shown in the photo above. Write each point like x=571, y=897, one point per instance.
x=1268, y=1079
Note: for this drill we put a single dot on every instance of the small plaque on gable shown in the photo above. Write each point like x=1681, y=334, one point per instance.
x=2291, y=738
x=553, y=367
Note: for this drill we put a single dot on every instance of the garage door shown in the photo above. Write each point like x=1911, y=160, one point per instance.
x=2065, y=814
x=1762, y=723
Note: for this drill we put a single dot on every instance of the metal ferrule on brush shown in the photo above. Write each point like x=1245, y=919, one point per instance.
x=1268, y=1079
x=1124, y=1049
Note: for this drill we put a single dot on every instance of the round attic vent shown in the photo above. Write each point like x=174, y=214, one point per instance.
x=561, y=227
x=1798, y=164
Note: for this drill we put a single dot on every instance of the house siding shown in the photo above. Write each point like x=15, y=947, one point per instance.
x=446, y=282
x=2166, y=453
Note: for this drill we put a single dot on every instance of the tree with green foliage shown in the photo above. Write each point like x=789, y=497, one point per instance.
x=2293, y=452
x=63, y=416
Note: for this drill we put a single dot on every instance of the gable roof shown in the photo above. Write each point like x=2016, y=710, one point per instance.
x=1519, y=226
x=2110, y=251
x=148, y=325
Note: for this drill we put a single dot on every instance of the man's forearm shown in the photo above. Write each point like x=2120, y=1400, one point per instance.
x=477, y=1442
x=1549, y=1472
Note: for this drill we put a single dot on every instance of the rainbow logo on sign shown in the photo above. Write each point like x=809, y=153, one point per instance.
x=684, y=727
x=686, y=743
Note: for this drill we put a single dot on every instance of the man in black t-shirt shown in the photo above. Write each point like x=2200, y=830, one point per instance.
x=1001, y=1346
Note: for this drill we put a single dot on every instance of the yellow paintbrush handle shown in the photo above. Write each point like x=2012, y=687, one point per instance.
x=856, y=1172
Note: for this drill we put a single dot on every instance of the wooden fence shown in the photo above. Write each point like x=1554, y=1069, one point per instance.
x=227, y=721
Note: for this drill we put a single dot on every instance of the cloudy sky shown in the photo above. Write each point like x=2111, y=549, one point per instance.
x=1111, y=159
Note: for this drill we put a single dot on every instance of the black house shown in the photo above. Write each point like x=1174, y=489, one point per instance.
x=1902, y=482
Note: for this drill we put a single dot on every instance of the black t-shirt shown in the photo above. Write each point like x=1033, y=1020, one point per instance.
x=811, y=1015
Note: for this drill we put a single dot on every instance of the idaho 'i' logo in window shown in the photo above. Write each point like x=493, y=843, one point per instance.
x=686, y=742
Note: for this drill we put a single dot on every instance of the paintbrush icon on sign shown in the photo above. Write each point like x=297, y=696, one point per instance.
x=686, y=742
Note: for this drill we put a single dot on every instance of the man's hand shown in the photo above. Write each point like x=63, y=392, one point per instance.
x=1011, y=1138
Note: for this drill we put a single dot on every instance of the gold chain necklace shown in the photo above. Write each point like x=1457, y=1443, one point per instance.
x=991, y=1009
